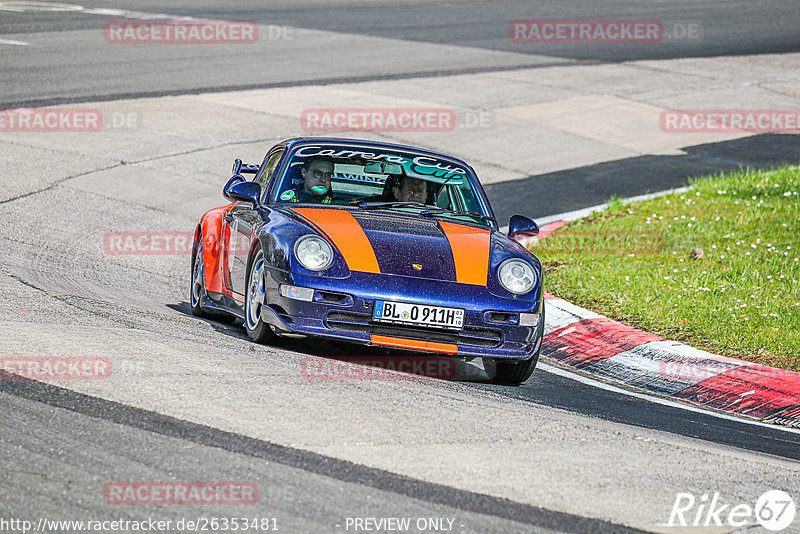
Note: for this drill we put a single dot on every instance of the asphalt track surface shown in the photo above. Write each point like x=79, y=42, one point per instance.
x=51, y=435
x=469, y=36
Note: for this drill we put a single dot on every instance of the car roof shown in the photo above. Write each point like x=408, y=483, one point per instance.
x=293, y=141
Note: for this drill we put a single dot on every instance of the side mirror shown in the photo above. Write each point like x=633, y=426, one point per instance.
x=241, y=168
x=235, y=179
x=245, y=192
x=521, y=226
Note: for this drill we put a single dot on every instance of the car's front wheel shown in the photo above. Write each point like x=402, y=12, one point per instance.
x=198, y=280
x=514, y=372
x=255, y=300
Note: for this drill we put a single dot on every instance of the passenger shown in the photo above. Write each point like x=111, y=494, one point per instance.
x=411, y=190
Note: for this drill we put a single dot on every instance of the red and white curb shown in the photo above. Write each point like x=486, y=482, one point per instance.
x=583, y=340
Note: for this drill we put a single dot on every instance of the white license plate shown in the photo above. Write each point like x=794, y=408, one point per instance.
x=418, y=314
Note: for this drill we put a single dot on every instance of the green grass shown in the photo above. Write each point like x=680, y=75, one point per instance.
x=740, y=299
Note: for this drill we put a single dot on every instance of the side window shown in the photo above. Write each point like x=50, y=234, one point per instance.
x=268, y=168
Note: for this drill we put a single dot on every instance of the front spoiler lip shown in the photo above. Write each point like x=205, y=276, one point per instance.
x=315, y=327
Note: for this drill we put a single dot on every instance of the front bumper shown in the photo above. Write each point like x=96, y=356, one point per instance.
x=342, y=309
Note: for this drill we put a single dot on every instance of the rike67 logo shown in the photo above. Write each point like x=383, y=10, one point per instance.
x=774, y=510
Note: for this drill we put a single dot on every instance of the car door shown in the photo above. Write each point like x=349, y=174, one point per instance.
x=242, y=219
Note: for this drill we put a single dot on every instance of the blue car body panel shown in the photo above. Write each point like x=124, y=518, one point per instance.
x=417, y=262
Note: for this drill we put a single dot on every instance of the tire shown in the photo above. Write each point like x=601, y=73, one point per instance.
x=514, y=372
x=198, y=281
x=255, y=298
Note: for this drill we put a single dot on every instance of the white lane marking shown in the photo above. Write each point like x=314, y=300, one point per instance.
x=16, y=43
x=20, y=6
x=569, y=330
x=136, y=15
x=23, y=6
x=658, y=400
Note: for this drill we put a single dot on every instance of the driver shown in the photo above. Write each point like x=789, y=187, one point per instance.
x=317, y=173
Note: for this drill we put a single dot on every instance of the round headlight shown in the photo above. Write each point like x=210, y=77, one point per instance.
x=313, y=253
x=517, y=276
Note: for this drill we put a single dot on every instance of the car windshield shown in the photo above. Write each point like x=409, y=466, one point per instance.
x=378, y=178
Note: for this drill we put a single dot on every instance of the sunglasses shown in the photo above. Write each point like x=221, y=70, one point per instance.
x=318, y=174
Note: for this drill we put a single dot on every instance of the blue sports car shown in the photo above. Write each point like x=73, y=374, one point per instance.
x=371, y=243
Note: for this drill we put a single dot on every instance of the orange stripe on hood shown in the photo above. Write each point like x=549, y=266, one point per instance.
x=348, y=236
x=470, y=248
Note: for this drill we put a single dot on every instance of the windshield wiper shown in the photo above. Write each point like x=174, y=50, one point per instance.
x=442, y=211
x=379, y=205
